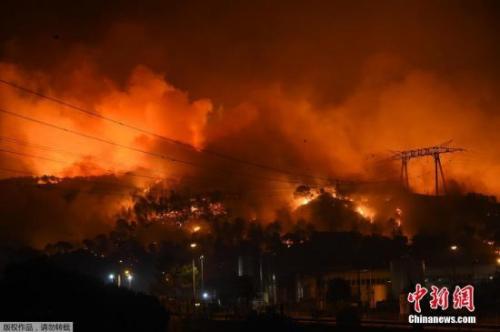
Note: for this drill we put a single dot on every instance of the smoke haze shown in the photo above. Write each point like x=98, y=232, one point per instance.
x=320, y=88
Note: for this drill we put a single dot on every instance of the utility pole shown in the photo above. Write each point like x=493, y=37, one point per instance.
x=404, y=173
x=433, y=151
x=194, y=281
x=261, y=275
x=202, y=258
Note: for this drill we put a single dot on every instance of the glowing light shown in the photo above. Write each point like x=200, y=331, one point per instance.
x=193, y=245
x=217, y=209
x=301, y=201
x=111, y=277
x=304, y=201
x=48, y=180
x=498, y=261
x=398, y=213
x=454, y=247
x=205, y=295
x=331, y=190
x=196, y=229
x=365, y=212
x=129, y=277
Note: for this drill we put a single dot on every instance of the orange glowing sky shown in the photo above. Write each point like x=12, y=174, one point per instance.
x=322, y=88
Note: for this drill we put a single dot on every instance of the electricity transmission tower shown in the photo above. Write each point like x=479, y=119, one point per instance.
x=433, y=151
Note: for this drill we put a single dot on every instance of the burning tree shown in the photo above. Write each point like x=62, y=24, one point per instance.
x=157, y=205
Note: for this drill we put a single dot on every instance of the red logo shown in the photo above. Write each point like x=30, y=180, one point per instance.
x=417, y=296
x=463, y=297
x=439, y=298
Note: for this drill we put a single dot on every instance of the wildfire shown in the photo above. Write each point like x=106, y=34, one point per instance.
x=302, y=201
x=366, y=212
x=217, y=209
x=304, y=195
x=399, y=214
x=44, y=180
x=288, y=243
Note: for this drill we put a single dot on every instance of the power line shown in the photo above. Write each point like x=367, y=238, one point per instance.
x=267, y=192
x=106, y=190
x=22, y=154
x=156, y=135
x=185, y=145
x=49, y=148
x=75, y=179
x=84, y=180
x=9, y=170
x=95, y=138
x=93, y=190
x=31, y=156
x=123, y=146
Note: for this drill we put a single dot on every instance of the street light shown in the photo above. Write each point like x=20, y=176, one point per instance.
x=129, y=277
x=111, y=277
x=498, y=261
x=193, y=245
x=454, y=248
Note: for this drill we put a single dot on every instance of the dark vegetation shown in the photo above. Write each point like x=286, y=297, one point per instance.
x=42, y=290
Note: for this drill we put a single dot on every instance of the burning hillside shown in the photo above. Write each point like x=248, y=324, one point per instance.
x=82, y=207
x=142, y=97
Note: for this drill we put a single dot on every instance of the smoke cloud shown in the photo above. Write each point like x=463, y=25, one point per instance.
x=317, y=88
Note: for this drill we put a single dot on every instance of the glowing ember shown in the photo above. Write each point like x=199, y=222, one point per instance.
x=398, y=214
x=366, y=212
x=288, y=243
x=303, y=196
x=303, y=201
x=48, y=180
x=217, y=209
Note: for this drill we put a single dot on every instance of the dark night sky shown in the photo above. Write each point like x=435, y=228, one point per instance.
x=223, y=49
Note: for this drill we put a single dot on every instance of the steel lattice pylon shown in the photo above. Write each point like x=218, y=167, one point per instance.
x=433, y=151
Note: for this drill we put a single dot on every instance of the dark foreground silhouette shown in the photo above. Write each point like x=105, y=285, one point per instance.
x=41, y=291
